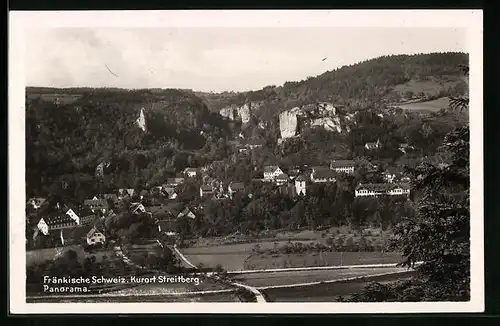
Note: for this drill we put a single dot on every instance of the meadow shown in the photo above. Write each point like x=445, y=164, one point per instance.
x=327, y=292
x=434, y=105
x=39, y=256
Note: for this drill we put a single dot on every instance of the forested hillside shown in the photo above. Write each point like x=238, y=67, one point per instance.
x=383, y=80
x=70, y=131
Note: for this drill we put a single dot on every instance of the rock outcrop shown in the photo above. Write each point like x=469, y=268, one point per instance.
x=141, y=121
x=288, y=124
x=239, y=113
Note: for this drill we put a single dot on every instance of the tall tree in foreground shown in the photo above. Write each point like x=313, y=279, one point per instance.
x=438, y=235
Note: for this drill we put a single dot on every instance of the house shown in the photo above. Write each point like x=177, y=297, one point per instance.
x=137, y=208
x=235, y=187
x=82, y=215
x=126, y=192
x=382, y=189
x=101, y=204
x=95, y=236
x=169, y=192
x=372, y=146
x=300, y=185
x=342, y=166
x=271, y=172
x=37, y=202
x=281, y=179
x=322, y=174
x=186, y=212
x=56, y=222
x=190, y=172
x=174, y=182
x=206, y=190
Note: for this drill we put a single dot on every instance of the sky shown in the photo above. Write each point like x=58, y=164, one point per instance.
x=215, y=59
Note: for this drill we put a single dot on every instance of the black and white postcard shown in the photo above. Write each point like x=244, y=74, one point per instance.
x=246, y=162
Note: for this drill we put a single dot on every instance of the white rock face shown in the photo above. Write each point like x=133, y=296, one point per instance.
x=330, y=124
x=241, y=113
x=141, y=121
x=288, y=124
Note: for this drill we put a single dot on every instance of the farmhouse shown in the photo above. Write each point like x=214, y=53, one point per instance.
x=382, y=189
x=342, y=166
x=95, y=236
x=322, y=174
x=271, y=172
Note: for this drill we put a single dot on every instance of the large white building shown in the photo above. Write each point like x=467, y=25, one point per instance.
x=382, y=189
x=342, y=166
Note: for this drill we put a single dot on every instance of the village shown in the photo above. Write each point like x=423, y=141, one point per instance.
x=84, y=223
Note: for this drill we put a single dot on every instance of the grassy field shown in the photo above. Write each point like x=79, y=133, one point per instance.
x=320, y=259
x=231, y=257
x=271, y=279
x=328, y=292
x=434, y=105
x=431, y=86
x=41, y=255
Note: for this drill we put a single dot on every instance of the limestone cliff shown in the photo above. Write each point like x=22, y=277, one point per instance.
x=241, y=113
x=141, y=121
x=288, y=124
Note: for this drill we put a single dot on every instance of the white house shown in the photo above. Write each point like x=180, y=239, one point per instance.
x=271, y=172
x=300, y=185
x=95, y=236
x=382, y=189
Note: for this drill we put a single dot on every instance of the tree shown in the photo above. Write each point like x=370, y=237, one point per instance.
x=438, y=235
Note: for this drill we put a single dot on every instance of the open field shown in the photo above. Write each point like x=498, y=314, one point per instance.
x=320, y=259
x=268, y=279
x=429, y=86
x=231, y=257
x=434, y=105
x=41, y=255
x=327, y=292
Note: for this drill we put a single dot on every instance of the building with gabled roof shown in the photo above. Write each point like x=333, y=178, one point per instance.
x=271, y=172
x=95, y=236
x=322, y=174
x=382, y=189
x=281, y=179
x=301, y=185
x=99, y=204
x=342, y=166
x=56, y=221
